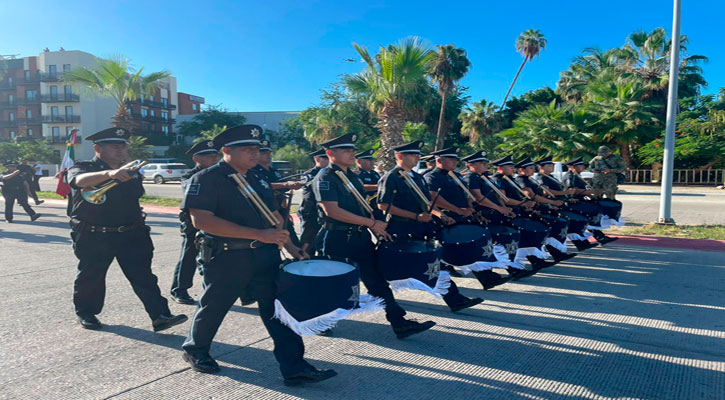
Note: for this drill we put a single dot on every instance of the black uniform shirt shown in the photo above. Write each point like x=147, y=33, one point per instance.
x=309, y=205
x=214, y=190
x=439, y=179
x=369, y=177
x=121, y=206
x=14, y=184
x=270, y=175
x=507, y=187
x=525, y=182
x=187, y=176
x=405, y=198
x=574, y=180
x=474, y=181
x=329, y=187
x=551, y=182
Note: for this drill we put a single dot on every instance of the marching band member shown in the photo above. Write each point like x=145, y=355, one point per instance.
x=307, y=211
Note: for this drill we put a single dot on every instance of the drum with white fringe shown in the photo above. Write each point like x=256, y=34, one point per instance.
x=313, y=295
x=533, y=238
x=468, y=247
x=414, y=265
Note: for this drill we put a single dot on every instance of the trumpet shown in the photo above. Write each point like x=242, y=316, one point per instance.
x=250, y=194
x=97, y=195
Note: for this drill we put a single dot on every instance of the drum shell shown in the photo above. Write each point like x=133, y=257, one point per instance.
x=307, y=297
x=558, y=227
x=533, y=234
x=611, y=208
x=463, y=244
x=408, y=259
x=577, y=222
x=589, y=209
x=505, y=236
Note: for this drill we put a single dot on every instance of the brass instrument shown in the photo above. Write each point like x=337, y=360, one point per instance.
x=97, y=195
x=462, y=186
x=495, y=189
x=248, y=191
x=526, y=195
x=424, y=202
x=358, y=197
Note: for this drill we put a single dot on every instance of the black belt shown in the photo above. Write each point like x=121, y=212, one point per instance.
x=225, y=244
x=337, y=226
x=84, y=226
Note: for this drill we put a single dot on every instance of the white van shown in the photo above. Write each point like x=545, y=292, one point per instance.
x=160, y=173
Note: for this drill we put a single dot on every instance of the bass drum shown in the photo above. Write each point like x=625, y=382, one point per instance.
x=577, y=222
x=611, y=208
x=506, y=237
x=413, y=264
x=465, y=244
x=558, y=227
x=588, y=209
x=533, y=234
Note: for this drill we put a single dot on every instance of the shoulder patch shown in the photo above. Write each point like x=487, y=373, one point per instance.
x=323, y=185
x=193, y=189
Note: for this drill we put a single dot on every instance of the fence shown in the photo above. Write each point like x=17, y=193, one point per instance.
x=679, y=176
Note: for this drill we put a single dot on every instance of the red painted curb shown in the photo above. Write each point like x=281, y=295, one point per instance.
x=676, y=243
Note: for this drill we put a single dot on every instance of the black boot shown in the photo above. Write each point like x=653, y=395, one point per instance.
x=582, y=245
x=490, y=279
x=516, y=274
x=558, y=255
x=539, y=264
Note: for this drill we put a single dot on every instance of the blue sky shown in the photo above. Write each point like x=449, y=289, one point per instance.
x=276, y=55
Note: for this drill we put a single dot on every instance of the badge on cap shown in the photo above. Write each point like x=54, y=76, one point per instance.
x=210, y=144
x=255, y=133
x=354, y=138
x=119, y=132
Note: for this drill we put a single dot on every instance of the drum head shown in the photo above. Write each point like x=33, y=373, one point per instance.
x=318, y=268
x=462, y=233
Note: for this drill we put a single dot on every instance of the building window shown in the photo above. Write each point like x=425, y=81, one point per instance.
x=165, y=129
x=67, y=130
x=153, y=113
x=67, y=90
x=31, y=94
x=11, y=117
x=12, y=134
x=142, y=98
x=28, y=113
x=54, y=92
x=144, y=113
x=54, y=111
x=30, y=132
x=11, y=99
x=68, y=111
x=165, y=115
x=52, y=70
x=194, y=107
x=10, y=80
x=151, y=97
x=66, y=67
x=27, y=74
x=56, y=131
x=164, y=101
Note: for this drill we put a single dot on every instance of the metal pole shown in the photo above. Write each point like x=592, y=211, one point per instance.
x=672, y=105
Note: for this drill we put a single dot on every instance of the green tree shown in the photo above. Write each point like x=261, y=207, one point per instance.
x=448, y=65
x=115, y=78
x=37, y=150
x=479, y=123
x=208, y=120
x=297, y=156
x=138, y=149
x=529, y=44
x=393, y=84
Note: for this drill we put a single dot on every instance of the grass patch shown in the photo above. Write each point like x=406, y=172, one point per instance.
x=150, y=200
x=713, y=232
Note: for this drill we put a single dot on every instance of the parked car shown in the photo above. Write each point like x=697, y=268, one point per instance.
x=560, y=168
x=160, y=173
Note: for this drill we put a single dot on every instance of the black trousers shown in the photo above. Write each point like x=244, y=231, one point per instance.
x=310, y=228
x=21, y=198
x=358, y=246
x=184, y=271
x=96, y=251
x=226, y=276
x=36, y=183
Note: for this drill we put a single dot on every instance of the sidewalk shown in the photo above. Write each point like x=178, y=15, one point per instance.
x=619, y=321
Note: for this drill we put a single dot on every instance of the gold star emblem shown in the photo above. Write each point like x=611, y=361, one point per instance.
x=434, y=270
x=355, y=297
x=120, y=132
x=255, y=133
x=512, y=247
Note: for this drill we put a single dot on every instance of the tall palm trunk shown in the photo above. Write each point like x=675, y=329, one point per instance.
x=440, y=137
x=626, y=154
x=391, y=123
x=123, y=120
x=513, y=83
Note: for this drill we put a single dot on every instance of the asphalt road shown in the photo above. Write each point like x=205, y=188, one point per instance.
x=690, y=205
x=615, y=322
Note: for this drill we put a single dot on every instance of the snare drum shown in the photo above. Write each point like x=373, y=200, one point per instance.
x=533, y=234
x=465, y=244
x=413, y=265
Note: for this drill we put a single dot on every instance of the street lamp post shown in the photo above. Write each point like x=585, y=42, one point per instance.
x=672, y=104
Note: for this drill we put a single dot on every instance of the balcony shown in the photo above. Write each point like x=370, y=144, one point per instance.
x=28, y=121
x=8, y=105
x=50, y=77
x=25, y=102
x=153, y=118
x=32, y=80
x=157, y=138
x=62, y=119
x=156, y=104
x=60, y=98
x=8, y=124
x=7, y=86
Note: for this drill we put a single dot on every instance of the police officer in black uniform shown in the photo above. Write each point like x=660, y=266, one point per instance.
x=549, y=181
x=14, y=189
x=345, y=231
x=270, y=174
x=430, y=162
x=204, y=154
x=307, y=211
x=408, y=216
x=239, y=251
x=113, y=229
x=369, y=177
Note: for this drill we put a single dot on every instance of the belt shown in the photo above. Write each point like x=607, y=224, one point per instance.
x=396, y=219
x=338, y=226
x=234, y=244
x=84, y=226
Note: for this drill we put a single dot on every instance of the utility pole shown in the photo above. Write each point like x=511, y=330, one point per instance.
x=672, y=105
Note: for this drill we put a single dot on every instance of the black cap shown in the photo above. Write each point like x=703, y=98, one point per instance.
x=10, y=164
x=203, y=147
x=341, y=142
x=242, y=135
x=428, y=158
x=545, y=160
x=111, y=135
x=365, y=154
x=409, y=148
x=526, y=162
x=475, y=157
x=319, y=153
x=449, y=152
x=264, y=145
x=575, y=161
x=506, y=160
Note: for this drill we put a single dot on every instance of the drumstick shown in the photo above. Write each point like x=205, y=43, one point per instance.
x=259, y=200
x=526, y=195
x=462, y=186
x=247, y=191
x=495, y=189
x=423, y=201
x=542, y=188
x=433, y=203
x=350, y=188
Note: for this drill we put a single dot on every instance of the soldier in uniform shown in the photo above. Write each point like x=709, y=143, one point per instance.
x=239, y=251
x=606, y=167
x=345, y=232
x=114, y=229
x=308, y=213
x=14, y=189
x=204, y=154
x=408, y=217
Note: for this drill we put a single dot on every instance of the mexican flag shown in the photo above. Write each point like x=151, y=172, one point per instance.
x=63, y=189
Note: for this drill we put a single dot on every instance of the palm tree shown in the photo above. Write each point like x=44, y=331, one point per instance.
x=393, y=84
x=447, y=66
x=114, y=77
x=480, y=120
x=583, y=69
x=529, y=44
